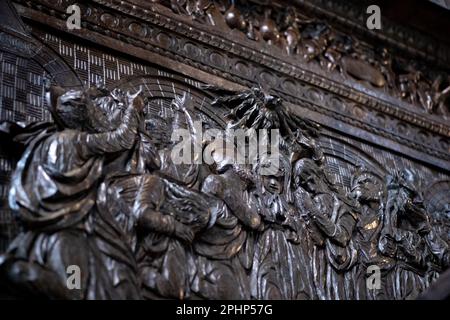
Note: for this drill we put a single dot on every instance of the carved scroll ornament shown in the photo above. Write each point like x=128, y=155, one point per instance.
x=314, y=41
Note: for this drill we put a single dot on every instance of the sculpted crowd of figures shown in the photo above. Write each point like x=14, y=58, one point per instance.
x=91, y=189
x=316, y=41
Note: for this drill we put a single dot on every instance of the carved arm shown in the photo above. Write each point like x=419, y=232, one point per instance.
x=340, y=232
x=120, y=139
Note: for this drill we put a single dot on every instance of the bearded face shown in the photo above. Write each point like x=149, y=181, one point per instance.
x=366, y=188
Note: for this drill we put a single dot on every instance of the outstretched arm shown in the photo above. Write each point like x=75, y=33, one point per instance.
x=148, y=199
x=122, y=138
x=216, y=185
x=155, y=221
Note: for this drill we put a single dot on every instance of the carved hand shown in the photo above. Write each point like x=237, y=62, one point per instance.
x=136, y=100
x=387, y=246
x=183, y=232
x=305, y=202
x=138, y=104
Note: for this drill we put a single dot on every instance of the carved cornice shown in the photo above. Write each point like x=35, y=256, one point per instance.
x=284, y=31
x=244, y=62
x=352, y=15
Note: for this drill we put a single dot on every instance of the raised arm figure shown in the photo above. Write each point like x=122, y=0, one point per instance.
x=54, y=191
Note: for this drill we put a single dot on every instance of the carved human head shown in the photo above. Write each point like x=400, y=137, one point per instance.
x=276, y=173
x=366, y=186
x=306, y=174
x=408, y=180
x=74, y=109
